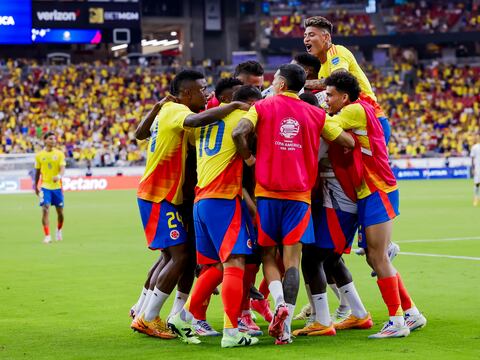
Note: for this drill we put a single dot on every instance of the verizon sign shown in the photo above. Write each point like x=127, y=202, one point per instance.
x=55, y=15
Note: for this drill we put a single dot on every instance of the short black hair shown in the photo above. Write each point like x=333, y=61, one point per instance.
x=294, y=75
x=225, y=84
x=247, y=92
x=319, y=22
x=250, y=67
x=344, y=82
x=182, y=77
x=47, y=134
x=306, y=59
x=310, y=98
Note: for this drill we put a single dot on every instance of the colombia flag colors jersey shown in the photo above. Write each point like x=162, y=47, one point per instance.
x=353, y=117
x=49, y=163
x=339, y=57
x=219, y=167
x=166, y=153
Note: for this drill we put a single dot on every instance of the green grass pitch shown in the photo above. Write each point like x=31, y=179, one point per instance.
x=70, y=300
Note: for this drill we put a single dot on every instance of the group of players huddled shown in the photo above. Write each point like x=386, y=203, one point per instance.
x=283, y=177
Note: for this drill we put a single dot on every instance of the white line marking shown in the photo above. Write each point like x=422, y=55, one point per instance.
x=438, y=240
x=442, y=256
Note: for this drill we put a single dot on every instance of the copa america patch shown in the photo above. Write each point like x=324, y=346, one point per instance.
x=174, y=234
x=336, y=60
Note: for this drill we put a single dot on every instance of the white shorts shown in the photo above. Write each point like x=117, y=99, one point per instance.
x=476, y=176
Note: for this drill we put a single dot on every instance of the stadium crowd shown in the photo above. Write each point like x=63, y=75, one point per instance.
x=94, y=109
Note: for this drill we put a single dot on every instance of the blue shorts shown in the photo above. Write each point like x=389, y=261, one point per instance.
x=376, y=208
x=162, y=224
x=284, y=222
x=387, y=130
x=334, y=229
x=51, y=197
x=220, y=230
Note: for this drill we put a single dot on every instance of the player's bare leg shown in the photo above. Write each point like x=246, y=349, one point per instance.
x=46, y=224
x=58, y=234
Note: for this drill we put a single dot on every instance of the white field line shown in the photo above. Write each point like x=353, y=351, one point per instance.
x=437, y=240
x=441, y=256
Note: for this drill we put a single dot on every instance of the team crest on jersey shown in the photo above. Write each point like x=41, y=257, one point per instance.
x=174, y=234
x=289, y=128
x=336, y=60
x=249, y=243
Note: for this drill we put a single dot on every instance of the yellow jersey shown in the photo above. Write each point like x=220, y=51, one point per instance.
x=219, y=166
x=339, y=57
x=166, y=152
x=49, y=164
x=353, y=117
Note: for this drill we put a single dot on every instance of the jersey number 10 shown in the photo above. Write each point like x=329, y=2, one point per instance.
x=206, y=133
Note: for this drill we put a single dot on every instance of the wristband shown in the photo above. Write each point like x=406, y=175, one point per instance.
x=251, y=160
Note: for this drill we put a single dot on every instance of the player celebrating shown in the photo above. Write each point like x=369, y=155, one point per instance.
x=377, y=194
x=160, y=189
x=50, y=165
x=222, y=236
x=288, y=138
x=333, y=58
x=475, y=155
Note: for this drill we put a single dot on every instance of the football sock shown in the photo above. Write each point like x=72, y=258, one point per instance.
x=391, y=296
x=276, y=289
x=145, y=302
x=46, y=230
x=203, y=288
x=322, y=312
x=202, y=309
x=288, y=321
x=350, y=293
x=232, y=292
x=155, y=304
x=60, y=225
x=407, y=304
x=179, y=302
x=140, y=301
x=264, y=289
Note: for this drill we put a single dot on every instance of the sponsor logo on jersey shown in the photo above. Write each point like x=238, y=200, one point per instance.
x=336, y=60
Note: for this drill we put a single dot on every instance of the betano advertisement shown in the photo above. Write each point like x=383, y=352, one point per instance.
x=26, y=22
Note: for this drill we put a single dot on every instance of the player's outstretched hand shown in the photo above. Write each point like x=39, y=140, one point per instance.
x=314, y=84
x=241, y=105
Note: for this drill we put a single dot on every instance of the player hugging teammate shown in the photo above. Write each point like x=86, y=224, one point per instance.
x=320, y=176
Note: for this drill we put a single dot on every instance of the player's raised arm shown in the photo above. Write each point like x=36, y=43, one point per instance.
x=143, y=130
x=211, y=115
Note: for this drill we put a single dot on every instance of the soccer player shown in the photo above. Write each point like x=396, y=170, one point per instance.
x=50, y=166
x=160, y=189
x=333, y=58
x=377, y=193
x=475, y=155
x=249, y=73
x=288, y=138
x=222, y=236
